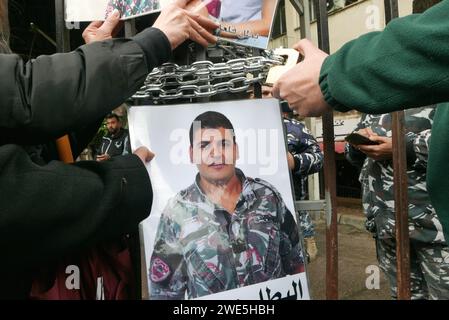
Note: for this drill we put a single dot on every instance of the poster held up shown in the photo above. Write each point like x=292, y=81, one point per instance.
x=222, y=224
x=244, y=22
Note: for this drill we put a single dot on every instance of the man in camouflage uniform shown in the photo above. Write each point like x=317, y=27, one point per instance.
x=429, y=253
x=226, y=230
x=305, y=158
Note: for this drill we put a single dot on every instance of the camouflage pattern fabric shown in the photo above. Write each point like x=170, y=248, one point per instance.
x=429, y=268
x=201, y=249
x=308, y=160
x=376, y=178
x=132, y=7
x=429, y=253
x=306, y=224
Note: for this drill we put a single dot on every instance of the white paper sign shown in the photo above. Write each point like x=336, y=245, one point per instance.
x=244, y=22
x=287, y=288
x=265, y=195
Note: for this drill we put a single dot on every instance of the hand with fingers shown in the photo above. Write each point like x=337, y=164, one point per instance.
x=103, y=30
x=144, y=154
x=300, y=85
x=382, y=151
x=179, y=24
x=367, y=132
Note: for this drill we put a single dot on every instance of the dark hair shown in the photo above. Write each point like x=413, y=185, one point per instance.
x=211, y=120
x=113, y=115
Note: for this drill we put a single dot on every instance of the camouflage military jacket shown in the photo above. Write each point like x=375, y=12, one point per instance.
x=376, y=178
x=201, y=249
x=306, y=152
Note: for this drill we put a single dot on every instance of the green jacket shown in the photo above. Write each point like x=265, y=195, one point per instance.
x=405, y=66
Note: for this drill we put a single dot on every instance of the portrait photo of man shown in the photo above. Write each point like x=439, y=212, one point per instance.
x=247, y=22
x=224, y=231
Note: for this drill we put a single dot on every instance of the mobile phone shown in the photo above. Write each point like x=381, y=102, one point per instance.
x=358, y=139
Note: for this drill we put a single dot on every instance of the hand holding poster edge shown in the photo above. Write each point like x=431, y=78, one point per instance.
x=88, y=10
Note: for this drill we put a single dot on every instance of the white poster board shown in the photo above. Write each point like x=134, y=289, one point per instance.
x=98, y=10
x=245, y=22
x=259, y=135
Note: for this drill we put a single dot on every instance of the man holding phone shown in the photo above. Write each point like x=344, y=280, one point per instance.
x=374, y=146
x=429, y=253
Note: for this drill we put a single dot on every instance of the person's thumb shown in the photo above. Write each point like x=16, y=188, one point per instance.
x=95, y=24
x=305, y=47
x=111, y=22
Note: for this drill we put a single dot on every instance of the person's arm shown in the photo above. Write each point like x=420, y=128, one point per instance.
x=51, y=210
x=309, y=158
x=53, y=95
x=405, y=66
x=167, y=266
x=420, y=145
x=290, y=245
x=80, y=139
x=354, y=156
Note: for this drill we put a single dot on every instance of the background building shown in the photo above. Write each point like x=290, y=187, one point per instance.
x=348, y=19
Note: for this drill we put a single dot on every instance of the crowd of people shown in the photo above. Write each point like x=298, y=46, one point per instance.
x=53, y=208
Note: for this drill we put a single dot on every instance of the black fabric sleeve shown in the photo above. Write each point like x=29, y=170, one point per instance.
x=155, y=44
x=47, y=211
x=53, y=95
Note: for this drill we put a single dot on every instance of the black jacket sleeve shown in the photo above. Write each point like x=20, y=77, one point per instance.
x=53, y=95
x=47, y=211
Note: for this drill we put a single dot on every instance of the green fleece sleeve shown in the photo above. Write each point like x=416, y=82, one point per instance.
x=405, y=66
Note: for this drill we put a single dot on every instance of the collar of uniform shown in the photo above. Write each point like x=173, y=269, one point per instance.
x=246, y=199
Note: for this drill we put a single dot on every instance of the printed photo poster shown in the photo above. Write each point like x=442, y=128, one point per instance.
x=245, y=22
x=223, y=222
x=97, y=10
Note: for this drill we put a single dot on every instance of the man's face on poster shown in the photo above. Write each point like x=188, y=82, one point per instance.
x=215, y=154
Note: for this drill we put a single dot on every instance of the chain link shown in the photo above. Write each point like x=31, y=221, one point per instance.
x=204, y=79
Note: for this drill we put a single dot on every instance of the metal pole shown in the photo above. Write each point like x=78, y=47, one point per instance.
x=130, y=28
x=141, y=277
x=305, y=21
x=62, y=45
x=303, y=9
x=329, y=169
x=62, y=33
x=401, y=186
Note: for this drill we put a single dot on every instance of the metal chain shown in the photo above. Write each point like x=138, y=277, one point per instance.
x=204, y=79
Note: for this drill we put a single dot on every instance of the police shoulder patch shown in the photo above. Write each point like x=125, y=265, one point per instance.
x=159, y=270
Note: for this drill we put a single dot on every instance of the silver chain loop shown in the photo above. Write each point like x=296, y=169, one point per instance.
x=204, y=79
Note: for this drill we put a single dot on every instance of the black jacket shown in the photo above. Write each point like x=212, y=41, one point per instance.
x=115, y=145
x=50, y=210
